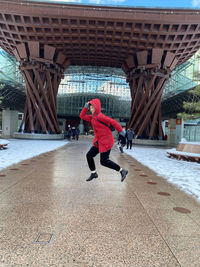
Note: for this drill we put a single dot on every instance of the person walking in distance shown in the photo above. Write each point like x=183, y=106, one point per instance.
x=103, y=140
x=77, y=132
x=122, y=140
x=129, y=136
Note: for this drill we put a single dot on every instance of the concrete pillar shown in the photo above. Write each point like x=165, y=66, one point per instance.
x=61, y=125
x=9, y=122
x=81, y=127
x=164, y=127
x=182, y=129
x=175, y=131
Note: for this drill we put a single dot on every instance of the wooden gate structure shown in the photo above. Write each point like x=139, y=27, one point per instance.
x=147, y=43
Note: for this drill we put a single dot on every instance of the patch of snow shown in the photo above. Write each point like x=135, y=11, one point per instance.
x=183, y=174
x=173, y=150
x=19, y=150
x=4, y=142
x=191, y=143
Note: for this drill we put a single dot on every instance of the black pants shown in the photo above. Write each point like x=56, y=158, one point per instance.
x=129, y=142
x=104, y=159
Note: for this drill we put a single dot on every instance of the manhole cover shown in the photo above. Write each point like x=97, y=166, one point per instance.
x=163, y=194
x=143, y=175
x=151, y=183
x=182, y=210
x=137, y=170
x=14, y=169
x=43, y=238
x=2, y=175
x=25, y=164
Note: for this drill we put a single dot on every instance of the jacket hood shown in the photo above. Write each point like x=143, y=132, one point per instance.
x=96, y=104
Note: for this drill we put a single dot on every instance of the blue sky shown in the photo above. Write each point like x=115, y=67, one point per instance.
x=139, y=3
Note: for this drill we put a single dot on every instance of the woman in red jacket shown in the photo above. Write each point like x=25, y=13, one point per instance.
x=103, y=140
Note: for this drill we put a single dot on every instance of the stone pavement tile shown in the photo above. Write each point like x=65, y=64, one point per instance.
x=88, y=248
x=170, y=223
x=9, y=177
x=139, y=184
x=98, y=248
x=33, y=194
x=102, y=197
x=7, y=182
x=151, y=200
x=20, y=172
x=184, y=200
x=186, y=249
x=188, y=202
x=173, y=189
x=30, y=215
x=35, y=191
x=108, y=218
x=16, y=243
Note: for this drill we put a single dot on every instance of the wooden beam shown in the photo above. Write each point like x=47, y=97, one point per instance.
x=49, y=52
x=156, y=99
x=35, y=91
x=21, y=49
x=144, y=98
x=142, y=57
x=34, y=102
x=60, y=58
x=157, y=54
x=168, y=59
x=152, y=97
x=130, y=62
x=34, y=49
x=53, y=124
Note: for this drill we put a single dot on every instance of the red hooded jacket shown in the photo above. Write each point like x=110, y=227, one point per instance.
x=103, y=138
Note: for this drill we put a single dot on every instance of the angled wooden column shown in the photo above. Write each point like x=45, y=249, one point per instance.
x=42, y=69
x=147, y=73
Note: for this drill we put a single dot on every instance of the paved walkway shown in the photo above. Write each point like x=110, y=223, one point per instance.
x=51, y=217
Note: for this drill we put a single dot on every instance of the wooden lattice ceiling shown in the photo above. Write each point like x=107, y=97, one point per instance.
x=92, y=35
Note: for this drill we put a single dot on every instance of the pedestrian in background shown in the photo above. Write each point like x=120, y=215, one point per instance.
x=122, y=140
x=129, y=136
x=77, y=132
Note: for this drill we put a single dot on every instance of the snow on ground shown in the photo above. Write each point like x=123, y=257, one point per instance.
x=18, y=150
x=4, y=142
x=184, y=174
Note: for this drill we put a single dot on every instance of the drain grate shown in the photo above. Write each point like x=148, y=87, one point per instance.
x=43, y=238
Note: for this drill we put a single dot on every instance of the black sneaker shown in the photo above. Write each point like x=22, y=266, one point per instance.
x=92, y=176
x=121, y=149
x=123, y=174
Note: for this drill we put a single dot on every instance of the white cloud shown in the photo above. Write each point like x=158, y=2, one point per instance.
x=196, y=3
